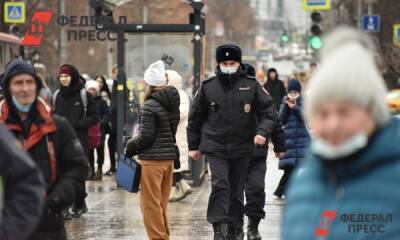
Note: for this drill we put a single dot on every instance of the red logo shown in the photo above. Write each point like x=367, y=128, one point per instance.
x=323, y=229
x=34, y=35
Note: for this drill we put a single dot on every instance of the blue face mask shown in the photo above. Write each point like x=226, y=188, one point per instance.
x=228, y=70
x=20, y=107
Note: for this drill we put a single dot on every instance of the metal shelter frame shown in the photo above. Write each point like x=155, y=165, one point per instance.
x=196, y=26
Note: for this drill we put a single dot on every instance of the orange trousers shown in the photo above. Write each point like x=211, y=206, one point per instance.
x=156, y=183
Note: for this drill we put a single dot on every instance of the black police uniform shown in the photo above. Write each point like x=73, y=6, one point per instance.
x=227, y=113
x=255, y=181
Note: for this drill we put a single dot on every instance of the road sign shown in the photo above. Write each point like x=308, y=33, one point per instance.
x=317, y=5
x=396, y=35
x=371, y=23
x=14, y=12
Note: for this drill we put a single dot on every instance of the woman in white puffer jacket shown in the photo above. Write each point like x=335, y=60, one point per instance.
x=180, y=187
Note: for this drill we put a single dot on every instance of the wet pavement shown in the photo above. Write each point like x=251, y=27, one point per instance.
x=115, y=213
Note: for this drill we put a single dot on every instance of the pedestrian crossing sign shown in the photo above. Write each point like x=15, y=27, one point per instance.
x=14, y=12
x=396, y=35
x=317, y=5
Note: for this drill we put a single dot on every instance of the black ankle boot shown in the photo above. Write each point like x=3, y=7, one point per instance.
x=218, y=232
x=234, y=233
x=252, y=229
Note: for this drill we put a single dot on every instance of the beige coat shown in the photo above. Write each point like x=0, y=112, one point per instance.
x=174, y=79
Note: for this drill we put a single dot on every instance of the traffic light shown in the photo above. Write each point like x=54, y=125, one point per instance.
x=316, y=30
x=284, y=37
x=315, y=42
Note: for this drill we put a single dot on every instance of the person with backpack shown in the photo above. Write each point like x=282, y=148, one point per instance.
x=156, y=147
x=97, y=133
x=49, y=140
x=77, y=106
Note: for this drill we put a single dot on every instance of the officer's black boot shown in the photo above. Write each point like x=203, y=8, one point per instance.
x=252, y=229
x=235, y=233
x=218, y=232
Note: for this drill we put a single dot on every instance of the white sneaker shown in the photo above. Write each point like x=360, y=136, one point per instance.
x=176, y=193
x=186, y=188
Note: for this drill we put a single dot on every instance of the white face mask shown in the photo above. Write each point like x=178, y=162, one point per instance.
x=330, y=152
x=294, y=96
x=228, y=70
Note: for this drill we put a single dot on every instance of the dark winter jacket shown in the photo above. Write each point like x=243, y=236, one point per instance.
x=103, y=112
x=113, y=108
x=276, y=88
x=52, y=144
x=357, y=188
x=22, y=190
x=278, y=135
x=69, y=104
x=297, y=136
x=156, y=138
x=131, y=108
x=224, y=115
x=278, y=140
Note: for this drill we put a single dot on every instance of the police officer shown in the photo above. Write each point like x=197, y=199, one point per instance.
x=231, y=114
x=255, y=181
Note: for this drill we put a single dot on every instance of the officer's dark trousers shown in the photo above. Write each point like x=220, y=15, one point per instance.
x=255, y=187
x=228, y=176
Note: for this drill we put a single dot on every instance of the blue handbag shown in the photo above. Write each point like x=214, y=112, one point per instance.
x=128, y=174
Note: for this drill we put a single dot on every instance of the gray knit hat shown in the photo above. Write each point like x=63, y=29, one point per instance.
x=348, y=72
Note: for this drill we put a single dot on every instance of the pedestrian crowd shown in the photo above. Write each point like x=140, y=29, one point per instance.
x=330, y=128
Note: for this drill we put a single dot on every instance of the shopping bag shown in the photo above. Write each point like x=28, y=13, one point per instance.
x=128, y=174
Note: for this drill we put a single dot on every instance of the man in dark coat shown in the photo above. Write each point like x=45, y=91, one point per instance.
x=112, y=139
x=50, y=141
x=231, y=114
x=275, y=87
x=255, y=181
x=69, y=103
x=132, y=108
x=21, y=190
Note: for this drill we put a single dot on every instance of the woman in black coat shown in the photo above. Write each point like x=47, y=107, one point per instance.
x=105, y=92
x=69, y=101
x=275, y=87
x=155, y=145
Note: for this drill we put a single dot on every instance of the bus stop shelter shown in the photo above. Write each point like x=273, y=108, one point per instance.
x=180, y=46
